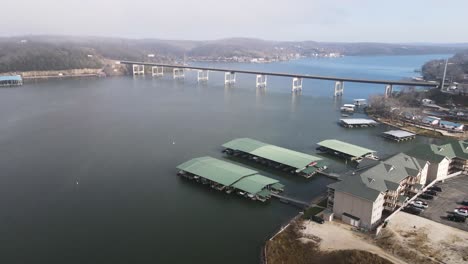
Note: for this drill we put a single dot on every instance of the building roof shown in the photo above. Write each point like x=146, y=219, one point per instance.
x=436, y=153
x=357, y=121
x=10, y=78
x=228, y=174
x=448, y=123
x=346, y=148
x=254, y=183
x=399, y=133
x=384, y=176
x=281, y=155
x=216, y=170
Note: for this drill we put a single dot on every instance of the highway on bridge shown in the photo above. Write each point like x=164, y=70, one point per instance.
x=293, y=75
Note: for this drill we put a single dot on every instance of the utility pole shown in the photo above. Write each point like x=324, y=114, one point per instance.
x=445, y=72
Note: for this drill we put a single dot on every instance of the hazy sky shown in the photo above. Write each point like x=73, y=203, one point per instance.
x=321, y=20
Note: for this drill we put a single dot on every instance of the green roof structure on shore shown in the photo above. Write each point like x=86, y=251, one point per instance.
x=228, y=174
x=281, y=155
x=346, y=148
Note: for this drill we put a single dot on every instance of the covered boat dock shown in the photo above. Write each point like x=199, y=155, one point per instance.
x=357, y=122
x=277, y=157
x=399, y=135
x=345, y=150
x=229, y=177
x=11, y=80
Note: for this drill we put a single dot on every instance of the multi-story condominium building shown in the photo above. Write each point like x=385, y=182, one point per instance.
x=362, y=198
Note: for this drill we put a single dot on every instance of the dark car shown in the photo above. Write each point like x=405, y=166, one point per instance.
x=412, y=210
x=456, y=218
x=464, y=202
x=426, y=196
x=317, y=219
x=433, y=193
x=435, y=188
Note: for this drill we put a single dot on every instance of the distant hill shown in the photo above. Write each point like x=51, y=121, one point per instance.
x=25, y=53
x=457, y=68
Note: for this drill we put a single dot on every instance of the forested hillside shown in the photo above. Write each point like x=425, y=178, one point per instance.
x=457, y=68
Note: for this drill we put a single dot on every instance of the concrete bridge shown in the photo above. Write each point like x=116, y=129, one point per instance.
x=157, y=69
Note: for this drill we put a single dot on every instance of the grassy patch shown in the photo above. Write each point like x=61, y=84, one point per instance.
x=288, y=248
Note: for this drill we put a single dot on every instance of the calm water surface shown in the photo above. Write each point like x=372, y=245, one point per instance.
x=87, y=167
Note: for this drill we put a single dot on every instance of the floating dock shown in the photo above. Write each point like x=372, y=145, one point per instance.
x=346, y=150
x=229, y=177
x=357, y=122
x=11, y=80
x=287, y=160
x=399, y=135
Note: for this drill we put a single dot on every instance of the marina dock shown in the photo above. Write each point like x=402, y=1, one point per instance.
x=345, y=150
x=11, y=80
x=287, y=160
x=399, y=135
x=357, y=122
x=229, y=177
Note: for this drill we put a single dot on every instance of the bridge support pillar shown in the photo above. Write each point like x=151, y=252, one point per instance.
x=261, y=81
x=157, y=71
x=138, y=69
x=339, y=88
x=388, y=91
x=229, y=77
x=202, y=75
x=178, y=73
x=296, y=84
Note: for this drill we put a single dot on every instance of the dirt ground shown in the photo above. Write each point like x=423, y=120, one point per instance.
x=412, y=235
x=338, y=236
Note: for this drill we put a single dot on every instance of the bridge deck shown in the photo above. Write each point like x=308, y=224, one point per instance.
x=305, y=76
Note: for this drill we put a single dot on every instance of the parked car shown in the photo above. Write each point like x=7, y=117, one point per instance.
x=317, y=219
x=419, y=204
x=433, y=193
x=456, y=218
x=463, y=207
x=465, y=202
x=426, y=196
x=412, y=210
x=435, y=188
x=461, y=212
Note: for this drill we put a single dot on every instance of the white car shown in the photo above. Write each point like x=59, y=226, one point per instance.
x=462, y=212
x=419, y=204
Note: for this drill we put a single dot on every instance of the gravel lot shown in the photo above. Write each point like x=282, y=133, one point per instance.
x=453, y=191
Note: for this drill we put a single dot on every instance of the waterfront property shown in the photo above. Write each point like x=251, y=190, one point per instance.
x=399, y=135
x=229, y=177
x=357, y=122
x=431, y=120
x=11, y=80
x=347, y=108
x=362, y=198
x=280, y=158
x=444, y=159
x=345, y=150
x=451, y=125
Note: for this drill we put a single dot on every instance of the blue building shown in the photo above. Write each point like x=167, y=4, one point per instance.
x=11, y=80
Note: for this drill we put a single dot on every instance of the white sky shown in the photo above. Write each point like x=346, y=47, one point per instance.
x=320, y=20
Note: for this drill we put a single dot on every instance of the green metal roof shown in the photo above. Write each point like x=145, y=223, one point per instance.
x=346, y=148
x=436, y=153
x=277, y=186
x=264, y=193
x=228, y=174
x=216, y=170
x=281, y=155
x=254, y=183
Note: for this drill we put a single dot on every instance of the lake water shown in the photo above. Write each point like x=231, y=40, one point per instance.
x=87, y=167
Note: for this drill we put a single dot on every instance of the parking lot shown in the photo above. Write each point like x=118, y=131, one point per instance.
x=453, y=192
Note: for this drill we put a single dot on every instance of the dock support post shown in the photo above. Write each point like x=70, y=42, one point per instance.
x=339, y=88
x=178, y=73
x=229, y=77
x=157, y=71
x=296, y=84
x=202, y=75
x=261, y=81
x=388, y=91
x=138, y=69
